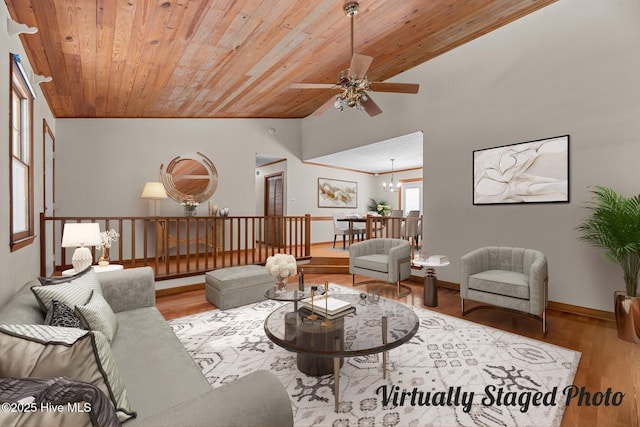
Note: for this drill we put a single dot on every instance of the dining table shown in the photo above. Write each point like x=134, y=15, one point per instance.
x=351, y=220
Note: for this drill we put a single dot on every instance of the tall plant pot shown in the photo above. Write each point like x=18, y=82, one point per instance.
x=627, y=316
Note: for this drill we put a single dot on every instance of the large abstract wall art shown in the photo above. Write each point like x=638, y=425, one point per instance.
x=335, y=193
x=528, y=172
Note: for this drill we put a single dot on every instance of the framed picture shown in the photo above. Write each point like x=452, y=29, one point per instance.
x=528, y=172
x=335, y=193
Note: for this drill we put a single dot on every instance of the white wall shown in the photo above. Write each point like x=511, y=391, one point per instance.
x=103, y=164
x=24, y=264
x=570, y=68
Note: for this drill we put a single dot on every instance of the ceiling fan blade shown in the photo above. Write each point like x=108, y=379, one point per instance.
x=394, y=87
x=371, y=107
x=324, y=107
x=312, y=86
x=359, y=65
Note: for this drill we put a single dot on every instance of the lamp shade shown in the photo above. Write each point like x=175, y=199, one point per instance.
x=80, y=234
x=154, y=190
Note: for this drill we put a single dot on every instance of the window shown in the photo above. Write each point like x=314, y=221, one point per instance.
x=21, y=158
x=411, y=195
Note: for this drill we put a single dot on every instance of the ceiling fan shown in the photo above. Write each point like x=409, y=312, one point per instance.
x=353, y=82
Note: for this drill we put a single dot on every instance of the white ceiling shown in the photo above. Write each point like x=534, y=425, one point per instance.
x=406, y=150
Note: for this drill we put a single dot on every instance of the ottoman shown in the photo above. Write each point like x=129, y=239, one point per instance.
x=235, y=286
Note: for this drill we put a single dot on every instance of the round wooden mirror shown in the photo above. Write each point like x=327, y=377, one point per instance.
x=190, y=177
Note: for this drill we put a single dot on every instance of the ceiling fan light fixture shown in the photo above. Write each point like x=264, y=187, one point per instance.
x=354, y=81
x=351, y=7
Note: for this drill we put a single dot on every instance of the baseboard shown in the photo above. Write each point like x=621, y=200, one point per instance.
x=552, y=305
x=449, y=285
x=179, y=290
x=328, y=242
x=583, y=311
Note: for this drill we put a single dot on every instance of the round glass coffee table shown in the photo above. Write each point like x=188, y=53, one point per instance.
x=373, y=328
x=288, y=295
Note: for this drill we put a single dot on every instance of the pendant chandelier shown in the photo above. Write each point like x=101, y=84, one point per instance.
x=390, y=186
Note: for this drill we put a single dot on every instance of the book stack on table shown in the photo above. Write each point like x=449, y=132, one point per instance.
x=438, y=259
x=328, y=307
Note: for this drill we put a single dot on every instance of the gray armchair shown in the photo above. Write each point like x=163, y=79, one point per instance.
x=384, y=259
x=510, y=278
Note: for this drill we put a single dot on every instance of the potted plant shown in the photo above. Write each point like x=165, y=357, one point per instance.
x=381, y=207
x=614, y=225
x=281, y=266
x=106, y=238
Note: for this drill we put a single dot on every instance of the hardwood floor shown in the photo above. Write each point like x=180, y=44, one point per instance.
x=606, y=362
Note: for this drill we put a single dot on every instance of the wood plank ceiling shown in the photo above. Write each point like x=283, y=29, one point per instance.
x=233, y=58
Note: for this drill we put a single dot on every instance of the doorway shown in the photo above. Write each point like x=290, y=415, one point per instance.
x=49, y=176
x=411, y=198
x=274, y=209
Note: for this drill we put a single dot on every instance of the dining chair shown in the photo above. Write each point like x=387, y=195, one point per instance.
x=412, y=227
x=340, y=228
x=395, y=224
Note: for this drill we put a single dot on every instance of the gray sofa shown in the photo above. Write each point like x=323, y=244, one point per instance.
x=164, y=385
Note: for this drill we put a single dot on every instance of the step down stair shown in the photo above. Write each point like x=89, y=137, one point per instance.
x=326, y=265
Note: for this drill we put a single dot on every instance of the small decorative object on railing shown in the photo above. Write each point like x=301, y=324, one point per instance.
x=106, y=238
x=213, y=209
x=189, y=207
x=281, y=266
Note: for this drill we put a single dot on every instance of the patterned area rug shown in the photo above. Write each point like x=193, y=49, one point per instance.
x=452, y=373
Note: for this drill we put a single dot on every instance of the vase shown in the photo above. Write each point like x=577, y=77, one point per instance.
x=190, y=211
x=281, y=284
x=627, y=311
x=104, y=257
x=213, y=209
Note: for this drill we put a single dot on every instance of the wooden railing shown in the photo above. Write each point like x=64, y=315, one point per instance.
x=183, y=246
x=408, y=228
x=398, y=227
x=394, y=227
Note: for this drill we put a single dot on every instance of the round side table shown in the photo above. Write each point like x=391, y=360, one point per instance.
x=96, y=268
x=430, y=280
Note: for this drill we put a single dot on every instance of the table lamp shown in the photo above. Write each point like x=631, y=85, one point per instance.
x=153, y=191
x=81, y=235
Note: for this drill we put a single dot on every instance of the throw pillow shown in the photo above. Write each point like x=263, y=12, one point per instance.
x=60, y=314
x=76, y=292
x=50, y=351
x=56, y=280
x=36, y=393
x=96, y=315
